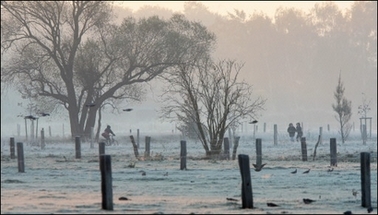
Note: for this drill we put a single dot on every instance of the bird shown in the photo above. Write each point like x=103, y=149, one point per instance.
x=232, y=199
x=123, y=198
x=128, y=109
x=253, y=122
x=348, y=212
x=30, y=117
x=90, y=105
x=271, y=204
x=308, y=201
x=293, y=172
x=307, y=171
x=354, y=192
x=258, y=168
x=166, y=174
x=143, y=172
x=330, y=170
x=370, y=209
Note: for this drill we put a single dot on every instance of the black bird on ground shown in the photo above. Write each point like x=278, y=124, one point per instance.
x=307, y=171
x=370, y=209
x=348, y=212
x=308, y=201
x=258, y=168
x=293, y=172
x=271, y=204
x=122, y=198
x=232, y=199
x=330, y=170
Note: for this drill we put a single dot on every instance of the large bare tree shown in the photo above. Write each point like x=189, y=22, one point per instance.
x=71, y=53
x=210, y=97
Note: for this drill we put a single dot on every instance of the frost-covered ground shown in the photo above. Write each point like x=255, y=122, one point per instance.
x=55, y=182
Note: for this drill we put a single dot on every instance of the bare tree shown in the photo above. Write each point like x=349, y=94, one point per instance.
x=70, y=52
x=210, y=95
x=343, y=108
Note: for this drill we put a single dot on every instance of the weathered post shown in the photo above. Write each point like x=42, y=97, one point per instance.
x=106, y=182
x=135, y=146
x=43, y=138
x=137, y=138
x=20, y=157
x=321, y=135
x=246, y=188
x=333, y=150
x=236, y=144
x=364, y=134
x=77, y=147
x=18, y=130
x=304, y=149
x=183, y=155
x=258, y=152
x=275, y=134
x=12, y=155
x=147, y=147
x=365, y=179
x=101, y=151
x=226, y=146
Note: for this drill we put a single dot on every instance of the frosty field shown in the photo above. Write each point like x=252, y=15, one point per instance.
x=55, y=182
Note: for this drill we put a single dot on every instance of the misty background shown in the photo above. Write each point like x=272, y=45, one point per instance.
x=293, y=60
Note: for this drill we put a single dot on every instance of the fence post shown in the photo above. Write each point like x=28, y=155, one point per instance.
x=77, y=147
x=333, y=150
x=275, y=134
x=18, y=130
x=364, y=134
x=147, y=147
x=20, y=157
x=106, y=182
x=43, y=138
x=365, y=179
x=236, y=144
x=49, y=131
x=226, y=146
x=246, y=188
x=304, y=149
x=137, y=141
x=135, y=146
x=12, y=155
x=183, y=155
x=258, y=152
x=321, y=135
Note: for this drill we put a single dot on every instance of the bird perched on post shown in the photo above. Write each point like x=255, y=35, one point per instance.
x=307, y=171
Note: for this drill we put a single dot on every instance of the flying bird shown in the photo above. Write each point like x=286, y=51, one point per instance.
x=258, y=168
x=271, y=204
x=128, y=109
x=90, y=105
x=307, y=171
x=293, y=172
x=308, y=201
x=330, y=170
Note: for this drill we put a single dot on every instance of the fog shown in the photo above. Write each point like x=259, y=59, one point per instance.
x=295, y=72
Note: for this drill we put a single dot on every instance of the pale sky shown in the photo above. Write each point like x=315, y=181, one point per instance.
x=222, y=7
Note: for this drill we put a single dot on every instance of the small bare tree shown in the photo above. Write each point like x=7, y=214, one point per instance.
x=343, y=108
x=210, y=95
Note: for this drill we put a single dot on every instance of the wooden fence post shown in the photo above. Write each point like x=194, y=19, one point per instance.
x=258, y=153
x=101, y=151
x=20, y=157
x=246, y=188
x=321, y=135
x=275, y=134
x=43, y=138
x=106, y=182
x=147, y=147
x=183, y=155
x=333, y=150
x=12, y=155
x=304, y=149
x=226, y=146
x=135, y=146
x=77, y=147
x=365, y=179
x=236, y=144
x=364, y=134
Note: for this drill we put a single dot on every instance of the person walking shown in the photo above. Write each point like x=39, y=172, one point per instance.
x=291, y=130
x=299, y=132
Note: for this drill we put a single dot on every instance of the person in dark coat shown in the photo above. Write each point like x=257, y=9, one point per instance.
x=107, y=133
x=291, y=130
x=299, y=131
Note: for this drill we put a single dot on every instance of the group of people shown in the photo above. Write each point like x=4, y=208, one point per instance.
x=292, y=130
